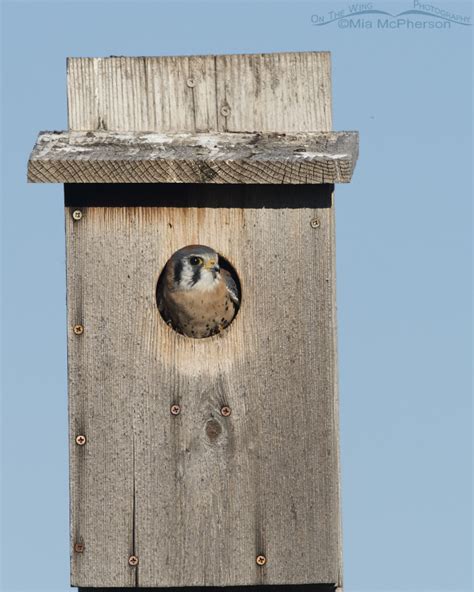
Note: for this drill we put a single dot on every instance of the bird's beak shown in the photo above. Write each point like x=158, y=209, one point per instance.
x=212, y=265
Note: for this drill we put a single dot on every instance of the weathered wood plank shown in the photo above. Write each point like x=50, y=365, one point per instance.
x=208, y=492
x=119, y=157
x=100, y=407
x=202, y=87
x=142, y=94
x=84, y=94
x=281, y=92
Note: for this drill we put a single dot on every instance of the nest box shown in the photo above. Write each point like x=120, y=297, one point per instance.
x=201, y=461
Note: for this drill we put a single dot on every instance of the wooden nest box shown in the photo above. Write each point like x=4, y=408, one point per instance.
x=201, y=461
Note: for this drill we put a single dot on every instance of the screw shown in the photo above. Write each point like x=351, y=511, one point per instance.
x=78, y=329
x=261, y=560
x=225, y=411
x=133, y=560
x=80, y=440
x=315, y=223
x=79, y=548
x=190, y=82
x=77, y=214
x=225, y=110
x=175, y=409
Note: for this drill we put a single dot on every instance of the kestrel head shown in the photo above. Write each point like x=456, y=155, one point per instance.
x=194, y=268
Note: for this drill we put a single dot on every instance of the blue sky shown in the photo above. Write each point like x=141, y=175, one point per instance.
x=403, y=269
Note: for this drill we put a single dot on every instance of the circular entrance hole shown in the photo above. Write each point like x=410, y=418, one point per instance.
x=198, y=292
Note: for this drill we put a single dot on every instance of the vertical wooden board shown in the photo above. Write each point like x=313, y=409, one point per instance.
x=142, y=94
x=207, y=493
x=281, y=92
x=171, y=99
x=83, y=93
x=124, y=94
x=202, y=73
x=100, y=408
x=184, y=93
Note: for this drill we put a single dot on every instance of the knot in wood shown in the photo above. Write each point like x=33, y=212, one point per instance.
x=213, y=429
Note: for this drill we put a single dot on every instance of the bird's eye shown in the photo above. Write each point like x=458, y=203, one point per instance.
x=196, y=260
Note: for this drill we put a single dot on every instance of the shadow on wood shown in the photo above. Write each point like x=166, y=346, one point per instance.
x=189, y=195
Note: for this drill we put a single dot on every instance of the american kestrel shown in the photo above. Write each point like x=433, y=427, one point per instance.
x=195, y=295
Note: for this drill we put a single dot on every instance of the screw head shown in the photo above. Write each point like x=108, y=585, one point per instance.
x=225, y=110
x=133, y=560
x=191, y=82
x=78, y=329
x=225, y=411
x=175, y=409
x=81, y=440
x=261, y=560
x=77, y=214
x=315, y=223
x=79, y=548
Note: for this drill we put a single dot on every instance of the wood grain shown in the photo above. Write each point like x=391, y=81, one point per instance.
x=281, y=92
x=102, y=471
x=197, y=496
x=119, y=157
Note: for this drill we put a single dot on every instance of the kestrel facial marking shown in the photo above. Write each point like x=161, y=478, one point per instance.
x=198, y=292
